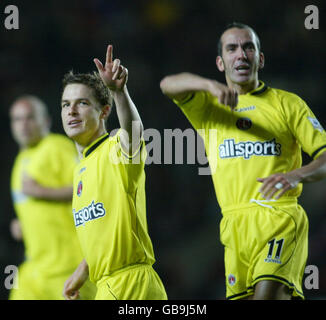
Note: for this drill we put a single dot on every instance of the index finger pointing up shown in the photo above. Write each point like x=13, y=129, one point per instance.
x=109, y=54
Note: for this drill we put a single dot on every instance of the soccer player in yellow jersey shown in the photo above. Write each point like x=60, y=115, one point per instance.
x=109, y=206
x=41, y=186
x=253, y=136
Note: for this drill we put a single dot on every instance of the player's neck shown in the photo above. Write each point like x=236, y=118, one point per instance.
x=81, y=145
x=33, y=143
x=244, y=88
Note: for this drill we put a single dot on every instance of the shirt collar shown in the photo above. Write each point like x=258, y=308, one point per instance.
x=260, y=89
x=90, y=148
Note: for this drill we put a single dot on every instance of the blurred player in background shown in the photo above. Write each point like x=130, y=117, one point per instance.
x=41, y=186
x=256, y=164
x=109, y=203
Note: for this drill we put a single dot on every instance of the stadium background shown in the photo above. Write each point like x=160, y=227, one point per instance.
x=153, y=39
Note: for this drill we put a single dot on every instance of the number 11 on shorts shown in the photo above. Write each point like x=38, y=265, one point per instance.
x=279, y=245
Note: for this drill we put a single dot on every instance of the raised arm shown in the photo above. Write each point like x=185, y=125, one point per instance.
x=180, y=85
x=115, y=77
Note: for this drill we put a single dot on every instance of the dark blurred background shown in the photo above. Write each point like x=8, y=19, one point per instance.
x=152, y=39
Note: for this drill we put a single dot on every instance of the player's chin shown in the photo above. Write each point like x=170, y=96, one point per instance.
x=242, y=78
x=72, y=133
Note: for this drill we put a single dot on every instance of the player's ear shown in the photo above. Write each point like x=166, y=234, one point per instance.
x=261, y=60
x=220, y=63
x=105, y=112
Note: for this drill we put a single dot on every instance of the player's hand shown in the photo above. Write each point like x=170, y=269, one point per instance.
x=75, y=282
x=71, y=289
x=113, y=74
x=277, y=183
x=15, y=230
x=29, y=186
x=225, y=95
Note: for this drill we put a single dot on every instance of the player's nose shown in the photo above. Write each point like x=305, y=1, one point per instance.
x=242, y=53
x=73, y=109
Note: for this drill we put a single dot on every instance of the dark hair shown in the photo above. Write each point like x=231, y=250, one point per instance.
x=93, y=81
x=239, y=26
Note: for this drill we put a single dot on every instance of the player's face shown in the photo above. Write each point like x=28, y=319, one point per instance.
x=241, y=58
x=81, y=114
x=27, y=124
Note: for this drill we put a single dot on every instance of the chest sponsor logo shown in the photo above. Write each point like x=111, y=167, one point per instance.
x=230, y=149
x=89, y=213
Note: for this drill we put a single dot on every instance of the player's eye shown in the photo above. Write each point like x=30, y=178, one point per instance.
x=250, y=46
x=65, y=104
x=84, y=102
x=230, y=48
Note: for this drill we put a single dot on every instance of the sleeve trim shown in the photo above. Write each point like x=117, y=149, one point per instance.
x=317, y=151
x=130, y=156
x=186, y=99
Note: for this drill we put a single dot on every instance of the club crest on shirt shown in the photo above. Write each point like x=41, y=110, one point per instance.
x=231, y=279
x=79, y=188
x=244, y=123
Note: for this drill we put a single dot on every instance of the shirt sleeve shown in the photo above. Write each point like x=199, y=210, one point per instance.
x=130, y=167
x=305, y=127
x=196, y=107
x=53, y=164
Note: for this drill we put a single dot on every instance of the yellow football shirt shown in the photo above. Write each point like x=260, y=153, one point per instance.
x=49, y=235
x=264, y=135
x=109, y=208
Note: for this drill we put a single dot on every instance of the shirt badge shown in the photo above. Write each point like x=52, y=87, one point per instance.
x=79, y=188
x=244, y=123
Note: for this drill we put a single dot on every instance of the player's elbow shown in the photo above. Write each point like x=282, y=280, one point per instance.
x=164, y=84
x=169, y=82
x=174, y=85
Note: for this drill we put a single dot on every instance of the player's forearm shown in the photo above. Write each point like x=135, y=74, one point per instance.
x=82, y=271
x=76, y=281
x=35, y=190
x=58, y=194
x=314, y=171
x=179, y=85
x=129, y=119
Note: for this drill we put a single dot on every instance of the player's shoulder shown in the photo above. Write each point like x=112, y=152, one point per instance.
x=56, y=142
x=284, y=95
x=57, y=139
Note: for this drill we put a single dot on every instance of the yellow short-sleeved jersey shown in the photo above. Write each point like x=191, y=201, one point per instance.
x=109, y=208
x=50, y=238
x=262, y=136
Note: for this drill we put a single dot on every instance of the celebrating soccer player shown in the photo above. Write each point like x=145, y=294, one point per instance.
x=256, y=166
x=41, y=185
x=109, y=206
